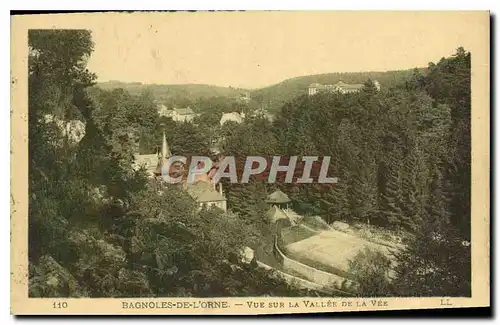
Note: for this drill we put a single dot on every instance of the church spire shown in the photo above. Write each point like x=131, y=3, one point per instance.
x=165, y=151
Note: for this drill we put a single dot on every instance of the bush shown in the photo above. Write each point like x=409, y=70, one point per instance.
x=370, y=268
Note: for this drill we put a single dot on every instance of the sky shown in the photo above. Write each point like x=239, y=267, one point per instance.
x=257, y=49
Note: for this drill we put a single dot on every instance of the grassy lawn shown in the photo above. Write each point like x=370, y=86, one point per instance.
x=295, y=234
x=318, y=265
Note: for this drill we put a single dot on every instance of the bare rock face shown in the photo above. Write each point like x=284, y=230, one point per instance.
x=73, y=131
x=341, y=226
x=247, y=255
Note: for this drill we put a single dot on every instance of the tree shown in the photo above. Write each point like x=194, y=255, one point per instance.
x=414, y=188
x=449, y=82
x=371, y=270
x=57, y=78
x=391, y=194
x=335, y=204
x=97, y=228
x=435, y=263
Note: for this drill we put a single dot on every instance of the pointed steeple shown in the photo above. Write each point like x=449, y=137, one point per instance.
x=163, y=156
x=165, y=151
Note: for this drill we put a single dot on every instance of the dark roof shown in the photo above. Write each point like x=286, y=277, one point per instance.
x=278, y=197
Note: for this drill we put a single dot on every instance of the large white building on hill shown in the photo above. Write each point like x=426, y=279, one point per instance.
x=340, y=87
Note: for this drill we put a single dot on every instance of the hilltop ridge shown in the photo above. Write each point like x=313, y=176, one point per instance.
x=274, y=96
x=169, y=92
x=270, y=97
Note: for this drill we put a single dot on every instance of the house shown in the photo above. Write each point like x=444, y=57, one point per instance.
x=245, y=97
x=183, y=114
x=264, y=114
x=177, y=114
x=340, y=87
x=206, y=195
x=233, y=117
x=164, y=111
x=203, y=191
x=153, y=163
x=147, y=161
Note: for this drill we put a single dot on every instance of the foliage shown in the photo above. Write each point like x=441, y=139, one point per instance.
x=401, y=154
x=436, y=263
x=371, y=270
x=96, y=227
x=275, y=96
x=180, y=95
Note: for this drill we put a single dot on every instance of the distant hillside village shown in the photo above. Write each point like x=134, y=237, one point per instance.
x=203, y=191
x=187, y=114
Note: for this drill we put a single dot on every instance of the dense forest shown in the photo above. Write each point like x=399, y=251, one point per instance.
x=402, y=156
x=97, y=228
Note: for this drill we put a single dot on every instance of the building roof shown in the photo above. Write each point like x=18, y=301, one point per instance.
x=233, y=116
x=148, y=161
x=278, y=197
x=184, y=111
x=275, y=213
x=166, y=112
x=340, y=84
x=352, y=86
x=203, y=191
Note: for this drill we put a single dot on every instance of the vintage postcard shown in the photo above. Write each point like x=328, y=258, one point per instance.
x=245, y=163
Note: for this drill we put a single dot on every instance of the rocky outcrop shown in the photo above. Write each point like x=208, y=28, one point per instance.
x=73, y=131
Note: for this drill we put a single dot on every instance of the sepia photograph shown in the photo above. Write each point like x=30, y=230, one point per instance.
x=176, y=161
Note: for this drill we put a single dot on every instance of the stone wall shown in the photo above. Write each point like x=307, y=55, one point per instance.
x=293, y=280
